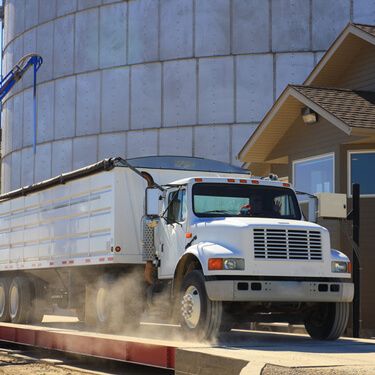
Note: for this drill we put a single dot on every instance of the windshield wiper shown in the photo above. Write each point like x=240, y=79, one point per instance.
x=214, y=212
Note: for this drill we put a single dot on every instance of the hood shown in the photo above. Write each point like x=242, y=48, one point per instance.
x=254, y=222
x=236, y=233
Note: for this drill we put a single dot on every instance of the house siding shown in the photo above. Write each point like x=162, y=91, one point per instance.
x=367, y=240
x=304, y=141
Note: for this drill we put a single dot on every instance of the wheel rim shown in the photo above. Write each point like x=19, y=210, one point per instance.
x=2, y=301
x=191, y=307
x=14, y=301
x=101, y=305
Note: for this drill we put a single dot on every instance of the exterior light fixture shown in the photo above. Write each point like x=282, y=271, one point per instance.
x=309, y=116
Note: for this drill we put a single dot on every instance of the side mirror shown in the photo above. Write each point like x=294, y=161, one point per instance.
x=309, y=206
x=152, y=201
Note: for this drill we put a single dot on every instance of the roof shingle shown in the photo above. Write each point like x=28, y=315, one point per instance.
x=355, y=108
x=370, y=29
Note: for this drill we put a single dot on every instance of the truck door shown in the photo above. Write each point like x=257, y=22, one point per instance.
x=172, y=232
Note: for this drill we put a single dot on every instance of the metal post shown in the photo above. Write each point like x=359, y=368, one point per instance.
x=356, y=265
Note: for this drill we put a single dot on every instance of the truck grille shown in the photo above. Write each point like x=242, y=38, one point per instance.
x=287, y=244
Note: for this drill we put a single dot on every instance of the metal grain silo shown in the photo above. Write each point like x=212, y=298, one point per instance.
x=154, y=77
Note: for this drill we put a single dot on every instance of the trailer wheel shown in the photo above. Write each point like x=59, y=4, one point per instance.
x=116, y=304
x=19, y=300
x=328, y=321
x=4, y=300
x=199, y=317
x=102, y=303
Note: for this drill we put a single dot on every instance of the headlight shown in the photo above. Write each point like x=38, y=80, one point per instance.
x=340, y=267
x=229, y=264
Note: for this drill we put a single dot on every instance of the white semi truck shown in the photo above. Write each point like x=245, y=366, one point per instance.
x=216, y=245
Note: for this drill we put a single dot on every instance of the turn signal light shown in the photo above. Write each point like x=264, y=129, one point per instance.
x=350, y=267
x=188, y=235
x=215, y=264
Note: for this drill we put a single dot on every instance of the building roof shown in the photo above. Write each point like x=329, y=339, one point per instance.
x=353, y=112
x=341, y=54
x=354, y=108
x=370, y=29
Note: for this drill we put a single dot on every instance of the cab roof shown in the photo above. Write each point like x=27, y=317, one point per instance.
x=233, y=180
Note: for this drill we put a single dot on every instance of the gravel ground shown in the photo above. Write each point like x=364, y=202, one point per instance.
x=12, y=365
x=337, y=370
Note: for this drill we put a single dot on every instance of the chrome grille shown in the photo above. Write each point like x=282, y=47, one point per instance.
x=287, y=244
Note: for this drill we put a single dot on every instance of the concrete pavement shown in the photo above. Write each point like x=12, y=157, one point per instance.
x=243, y=352
x=253, y=353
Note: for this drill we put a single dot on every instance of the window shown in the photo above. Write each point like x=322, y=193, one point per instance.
x=361, y=170
x=315, y=175
x=177, y=206
x=234, y=200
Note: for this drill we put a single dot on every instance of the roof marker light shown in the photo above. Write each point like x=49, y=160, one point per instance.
x=256, y=182
x=198, y=179
x=243, y=181
x=231, y=180
x=286, y=184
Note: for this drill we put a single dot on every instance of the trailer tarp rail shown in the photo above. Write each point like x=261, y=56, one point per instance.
x=103, y=165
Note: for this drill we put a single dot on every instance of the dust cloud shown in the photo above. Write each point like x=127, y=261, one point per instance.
x=134, y=309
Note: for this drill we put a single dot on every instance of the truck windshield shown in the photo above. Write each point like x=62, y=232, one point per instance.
x=234, y=200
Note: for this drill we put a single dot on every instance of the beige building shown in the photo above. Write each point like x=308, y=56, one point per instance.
x=332, y=149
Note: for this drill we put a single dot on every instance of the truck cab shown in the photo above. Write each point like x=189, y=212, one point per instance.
x=246, y=242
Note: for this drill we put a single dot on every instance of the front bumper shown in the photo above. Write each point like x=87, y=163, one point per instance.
x=279, y=290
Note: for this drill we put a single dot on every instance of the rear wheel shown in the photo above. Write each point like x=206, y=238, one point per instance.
x=328, y=321
x=20, y=299
x=115, y=304
x=97, y=306
x=4, y=300
x=199, y=316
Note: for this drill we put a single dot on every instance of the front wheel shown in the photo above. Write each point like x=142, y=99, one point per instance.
x=199, y=316
x=328, y=321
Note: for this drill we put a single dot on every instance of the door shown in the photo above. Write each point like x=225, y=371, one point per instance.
x=172, y=231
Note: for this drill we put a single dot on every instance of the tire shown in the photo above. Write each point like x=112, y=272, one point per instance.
x=117, y=304
x=4, y=300
x=102, y=303
x=38, y=303
x=20, y=300
x=200, y=318
x=328, y=321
